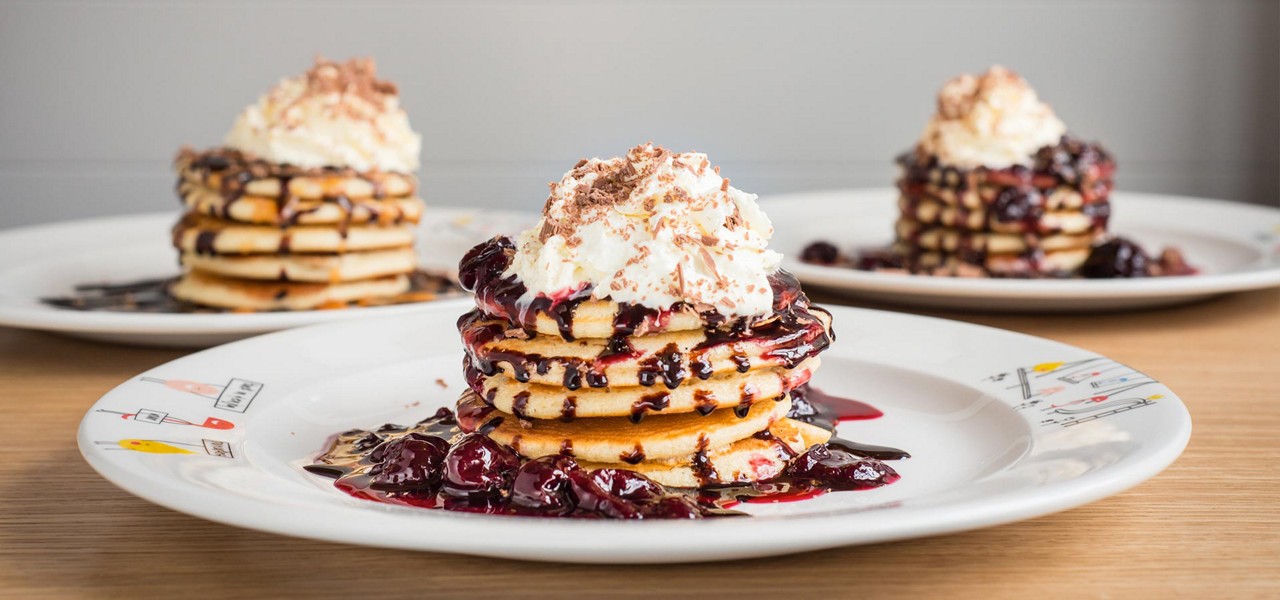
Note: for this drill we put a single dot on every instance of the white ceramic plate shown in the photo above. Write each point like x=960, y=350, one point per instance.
x=1002, y=427
x=48, y=260
x=1236, y=246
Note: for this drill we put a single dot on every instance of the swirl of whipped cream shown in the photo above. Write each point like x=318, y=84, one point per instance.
x=995, y=121
x=336, y=115
x=652, y=228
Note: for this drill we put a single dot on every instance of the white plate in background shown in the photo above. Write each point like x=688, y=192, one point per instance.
x=1235, y=246
x=49, y=260
x=1001, y=427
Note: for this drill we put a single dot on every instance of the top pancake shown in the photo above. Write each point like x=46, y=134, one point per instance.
x=236, y=174
x=1069, y=174
x=593, y=362
x=577, y=313
x=597, y=318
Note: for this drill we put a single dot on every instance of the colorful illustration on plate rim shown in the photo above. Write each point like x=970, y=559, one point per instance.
x=1068, y=393
x=235, y=396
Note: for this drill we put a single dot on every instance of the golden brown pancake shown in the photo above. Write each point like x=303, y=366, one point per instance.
x=271, y=211
x=746, y=460
x=727, y=390
x=240, y=294
x=618, y=439
x=205, y=235
x=679, y=348
x=1014, y=264
x=264, y=179
x=932, y=213
x=949, y=239
x=315, y=268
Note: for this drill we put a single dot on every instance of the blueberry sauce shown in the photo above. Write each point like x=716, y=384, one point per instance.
x=447, y=462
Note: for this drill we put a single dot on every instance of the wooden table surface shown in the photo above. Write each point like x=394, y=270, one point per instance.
x=1209, y=526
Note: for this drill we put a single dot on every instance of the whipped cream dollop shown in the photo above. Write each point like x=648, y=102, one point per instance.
x=994, y=120
x=652, y=228
x=335, y=115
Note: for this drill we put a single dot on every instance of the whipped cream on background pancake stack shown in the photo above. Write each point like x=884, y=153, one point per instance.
x=643, y=324
x=310, y=203
x=996, y=187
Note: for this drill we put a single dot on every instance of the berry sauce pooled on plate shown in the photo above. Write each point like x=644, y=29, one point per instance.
x=446, y=462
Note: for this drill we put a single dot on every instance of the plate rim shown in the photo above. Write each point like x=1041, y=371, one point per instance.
x=281, y=518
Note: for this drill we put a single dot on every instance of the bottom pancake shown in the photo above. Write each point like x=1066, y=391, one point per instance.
x=1059, y=263
x=757, y=458
x=314, y=268
x=618, y=439
x=201, y=288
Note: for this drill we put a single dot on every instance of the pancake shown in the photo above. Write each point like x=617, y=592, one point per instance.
x=221, y=292
x=204, y=235
x=270, y=211
x=614, y=439
x=949, y=239
x=933, y=213
x=746, y=460
x=239, y=174
x=1054, y=263
x=1060, y=197
x=550, y=360
x=596, y=318
x=319, y=268
x=533, y=401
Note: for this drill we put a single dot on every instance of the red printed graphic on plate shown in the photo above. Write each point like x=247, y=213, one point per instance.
x=156, y=417
x=236, y=395
x=1068, y=393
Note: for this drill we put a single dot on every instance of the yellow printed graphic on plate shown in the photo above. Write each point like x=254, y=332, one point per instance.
x=152, y=447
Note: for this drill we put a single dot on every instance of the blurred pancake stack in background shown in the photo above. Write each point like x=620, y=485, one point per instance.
x=310, y=203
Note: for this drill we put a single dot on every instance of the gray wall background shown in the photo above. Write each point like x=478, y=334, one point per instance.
x=95, y=97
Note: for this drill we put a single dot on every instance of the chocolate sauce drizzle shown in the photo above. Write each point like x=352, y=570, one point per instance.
x=656, y=402
x=792, y=332
x=234, y=171
x=152, y=296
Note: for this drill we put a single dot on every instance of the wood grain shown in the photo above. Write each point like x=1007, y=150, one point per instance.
x=1209, y=526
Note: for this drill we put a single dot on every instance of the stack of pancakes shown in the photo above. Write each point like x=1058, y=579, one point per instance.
x=265, y=236
x=687, y=398
x=1038, y=221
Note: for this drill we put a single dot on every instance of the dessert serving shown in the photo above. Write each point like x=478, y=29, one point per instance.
x=310, y=203
x=637, y=354
x=997, y=187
